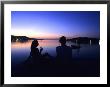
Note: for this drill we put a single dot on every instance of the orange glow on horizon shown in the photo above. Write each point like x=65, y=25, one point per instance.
x=34, y=34
x=46, y=36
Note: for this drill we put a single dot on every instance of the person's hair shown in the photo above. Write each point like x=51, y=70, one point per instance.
x=62, y=40
x=34, y=43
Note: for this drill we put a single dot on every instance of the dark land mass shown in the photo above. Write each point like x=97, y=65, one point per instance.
x=22, y=38
x=80, y=67
x=78, y=40
x=84, y=40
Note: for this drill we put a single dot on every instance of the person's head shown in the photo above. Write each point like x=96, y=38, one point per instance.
x=62, y=40
x=34, y=43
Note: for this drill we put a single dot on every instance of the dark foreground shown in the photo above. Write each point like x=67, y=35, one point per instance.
x=75, y=68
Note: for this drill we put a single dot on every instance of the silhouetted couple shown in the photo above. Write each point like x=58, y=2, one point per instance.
x=64, y=52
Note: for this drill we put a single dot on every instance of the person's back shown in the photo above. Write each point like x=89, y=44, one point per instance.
x=35, y=54
x=64, y=53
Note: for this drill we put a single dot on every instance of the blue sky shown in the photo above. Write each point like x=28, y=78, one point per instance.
x=53, y=24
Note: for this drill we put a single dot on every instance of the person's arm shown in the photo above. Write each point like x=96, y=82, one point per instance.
x=57, y=51
x=70, y=52
x=41, y=49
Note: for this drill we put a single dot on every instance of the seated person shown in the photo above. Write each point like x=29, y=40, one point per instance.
x=64, y=52
x=35, y=54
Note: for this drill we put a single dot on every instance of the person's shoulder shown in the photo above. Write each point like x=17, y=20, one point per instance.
x=58, y=47
x=69, y=47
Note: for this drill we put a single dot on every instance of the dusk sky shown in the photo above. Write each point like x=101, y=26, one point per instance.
x=53, y=24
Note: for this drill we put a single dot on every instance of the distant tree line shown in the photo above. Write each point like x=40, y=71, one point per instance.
x=84, y=40
x=21, y=38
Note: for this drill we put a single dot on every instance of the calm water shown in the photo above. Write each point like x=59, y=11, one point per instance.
x=21, y=50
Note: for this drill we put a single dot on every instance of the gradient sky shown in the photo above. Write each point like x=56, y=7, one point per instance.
x=53, y=24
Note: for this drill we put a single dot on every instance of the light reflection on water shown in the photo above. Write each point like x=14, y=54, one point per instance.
x=21, y=50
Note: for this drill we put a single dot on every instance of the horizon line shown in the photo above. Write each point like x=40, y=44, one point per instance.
x=56, y=37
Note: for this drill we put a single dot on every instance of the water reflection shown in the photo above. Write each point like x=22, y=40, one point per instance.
x=42, y=43
x=19, y=45
x=21, y=50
